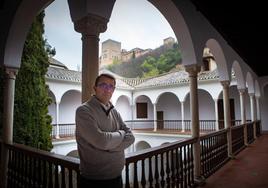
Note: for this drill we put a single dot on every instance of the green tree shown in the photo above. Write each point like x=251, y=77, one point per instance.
x=32, y=124
x=149, y=67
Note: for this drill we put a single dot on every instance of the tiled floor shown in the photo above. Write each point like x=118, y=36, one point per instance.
x=249, y=169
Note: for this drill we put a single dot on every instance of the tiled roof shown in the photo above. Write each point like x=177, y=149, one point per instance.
x=176, y=77
x=56, y=63
x=208, y=75
x=167, y=79
x=63, y=74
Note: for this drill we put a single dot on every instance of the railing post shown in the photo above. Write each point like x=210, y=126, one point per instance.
x=9, y=95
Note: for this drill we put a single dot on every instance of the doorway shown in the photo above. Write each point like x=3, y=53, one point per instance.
x=160, y=120
x=221, y=112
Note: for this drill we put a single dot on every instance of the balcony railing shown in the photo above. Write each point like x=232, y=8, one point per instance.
x=169, y=165
x=68, y=130
x=30, y=167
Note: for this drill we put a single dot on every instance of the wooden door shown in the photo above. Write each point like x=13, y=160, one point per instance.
x=160, y=119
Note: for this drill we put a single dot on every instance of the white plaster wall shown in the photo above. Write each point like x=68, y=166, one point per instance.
x=52, y=112
x=206, y=106
x=58, y=88
x=153, y=93
x=234, y=94
x=187, y=114
x=247, y=106
x=69, y=102
x=158, y=139
x=214, y=88
x=64, y=147
x=264, y=109
x=123, y=107
x=170, y=105
x=121, y=92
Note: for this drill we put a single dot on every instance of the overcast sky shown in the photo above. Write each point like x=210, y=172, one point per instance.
x=134, y=23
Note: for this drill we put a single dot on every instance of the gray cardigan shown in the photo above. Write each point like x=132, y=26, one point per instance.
x=101, y=140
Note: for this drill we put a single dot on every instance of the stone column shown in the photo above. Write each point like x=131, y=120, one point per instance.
x=253, y=113
x=8, y=114
x=258, y=108
x=216, y=115
x=243, y=114
x=155, y=117
x=90, y=27
x=227, y=115
x=182, y=116
x=57, y=121
x=193, y=71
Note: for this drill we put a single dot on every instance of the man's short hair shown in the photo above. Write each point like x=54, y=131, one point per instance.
x=104, y=75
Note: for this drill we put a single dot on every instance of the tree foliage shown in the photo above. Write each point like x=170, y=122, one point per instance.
x=32, y=124
x=167, y=61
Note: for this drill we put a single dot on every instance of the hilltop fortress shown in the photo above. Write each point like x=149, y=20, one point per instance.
x=111, y=50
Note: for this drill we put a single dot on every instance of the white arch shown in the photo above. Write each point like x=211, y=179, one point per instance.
x=69, y=91
x=136, y=97
x=52, y=95
x=163, y=93
x=239, y=75
x=257, y=89
x=220, y=59
x=142, y=145
x=120, y=96
x=19, y=28
x=250, y=83
x=178, y=23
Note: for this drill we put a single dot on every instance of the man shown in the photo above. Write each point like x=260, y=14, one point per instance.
x=102, y=137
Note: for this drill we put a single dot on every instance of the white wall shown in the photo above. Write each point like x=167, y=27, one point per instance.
x=123, y=107
x=170, y=105
x=264, y=109
x=206, y=106
x=69, y=102
x=64, y=147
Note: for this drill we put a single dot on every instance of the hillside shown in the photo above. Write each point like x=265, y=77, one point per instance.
x=158, y=61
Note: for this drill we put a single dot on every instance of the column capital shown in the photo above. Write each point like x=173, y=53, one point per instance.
x=193, y=70
x=225, y=83
x=251, y=94
x=242, y=90
x=11, y=73
x=91, y=25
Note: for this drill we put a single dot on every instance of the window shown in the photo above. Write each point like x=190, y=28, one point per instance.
x=142, y=110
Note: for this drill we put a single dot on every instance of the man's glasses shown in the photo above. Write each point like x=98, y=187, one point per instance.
x=106, y=86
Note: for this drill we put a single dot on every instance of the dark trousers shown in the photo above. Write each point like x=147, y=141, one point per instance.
x=110, y=183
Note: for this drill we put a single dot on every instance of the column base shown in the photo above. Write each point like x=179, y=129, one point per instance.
x=199, y=181
x=232, y=157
